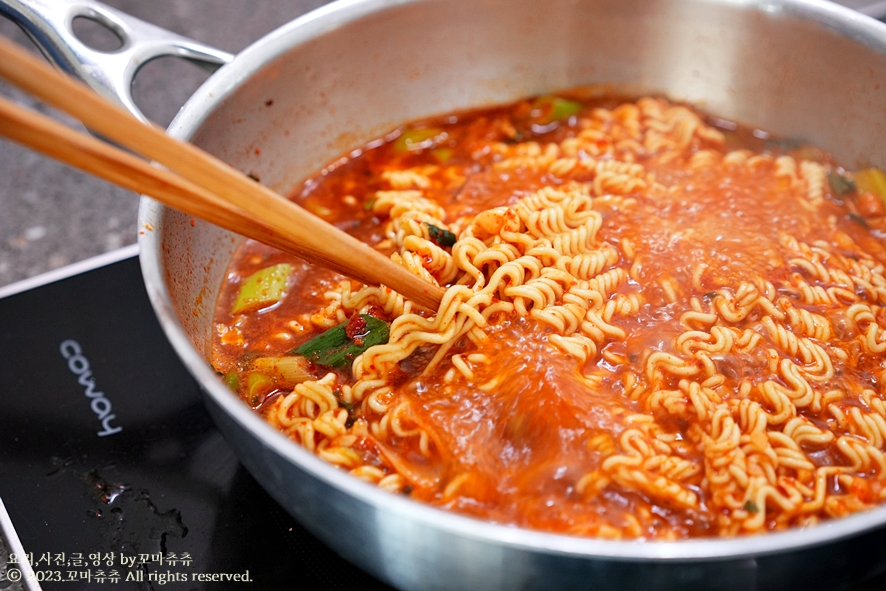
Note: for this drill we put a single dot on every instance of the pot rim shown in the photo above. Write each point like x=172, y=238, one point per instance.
x=314, y=24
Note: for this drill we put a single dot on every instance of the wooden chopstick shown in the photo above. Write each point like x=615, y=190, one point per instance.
x=204, y=184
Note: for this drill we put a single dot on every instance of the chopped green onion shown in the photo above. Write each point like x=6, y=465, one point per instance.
x=232, y=380
x=368, y=204
x=417, y=139
x=514, y=139
x=840, y=184
x=348, y=406
x=258, y=384
x=871, y=180
x=290, y=370
x=333, y=348
x=554, y=108
x=858, y=219
x=751, y=507
x=440, y=236
x=262, y=288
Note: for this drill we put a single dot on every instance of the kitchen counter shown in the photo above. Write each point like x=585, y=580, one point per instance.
x=53, y=215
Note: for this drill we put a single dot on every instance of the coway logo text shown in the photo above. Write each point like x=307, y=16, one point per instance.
x=99, y=403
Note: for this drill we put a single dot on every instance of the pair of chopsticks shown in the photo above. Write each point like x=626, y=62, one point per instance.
x=196, y=182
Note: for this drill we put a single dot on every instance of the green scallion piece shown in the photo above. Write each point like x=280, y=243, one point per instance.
x=262, y=288
x=348, y=406
x=334, y=349
x=751, y=507
x=232, y=380
x=871, y=180
x=258, y=385
x=289, y=370
x=440, y=236
x=840, y=184
x=858, y=219
x=554, y=108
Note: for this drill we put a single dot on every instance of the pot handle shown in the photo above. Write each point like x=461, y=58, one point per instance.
x=49, y=23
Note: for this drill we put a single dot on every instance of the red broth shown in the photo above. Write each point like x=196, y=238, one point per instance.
x=681, y=332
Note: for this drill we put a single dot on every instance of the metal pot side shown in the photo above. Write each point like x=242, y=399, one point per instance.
x=326, y=83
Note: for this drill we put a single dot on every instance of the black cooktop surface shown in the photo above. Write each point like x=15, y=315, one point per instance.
x=110, y=467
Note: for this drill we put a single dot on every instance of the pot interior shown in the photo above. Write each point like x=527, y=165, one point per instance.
x=327, y=83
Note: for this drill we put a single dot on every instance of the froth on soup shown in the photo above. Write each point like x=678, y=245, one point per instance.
x=657, y=324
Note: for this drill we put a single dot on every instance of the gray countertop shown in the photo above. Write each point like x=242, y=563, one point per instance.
x=52, y=215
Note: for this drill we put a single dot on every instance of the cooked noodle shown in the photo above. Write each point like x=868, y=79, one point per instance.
x=645, y=334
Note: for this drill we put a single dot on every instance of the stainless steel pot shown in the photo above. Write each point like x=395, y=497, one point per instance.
x=331, y=80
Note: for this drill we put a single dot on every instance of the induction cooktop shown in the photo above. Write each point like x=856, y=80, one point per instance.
x=111, y=470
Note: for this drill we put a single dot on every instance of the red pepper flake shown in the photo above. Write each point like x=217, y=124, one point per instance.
x=356, y=328
x=376, y=311
x=257, y=152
